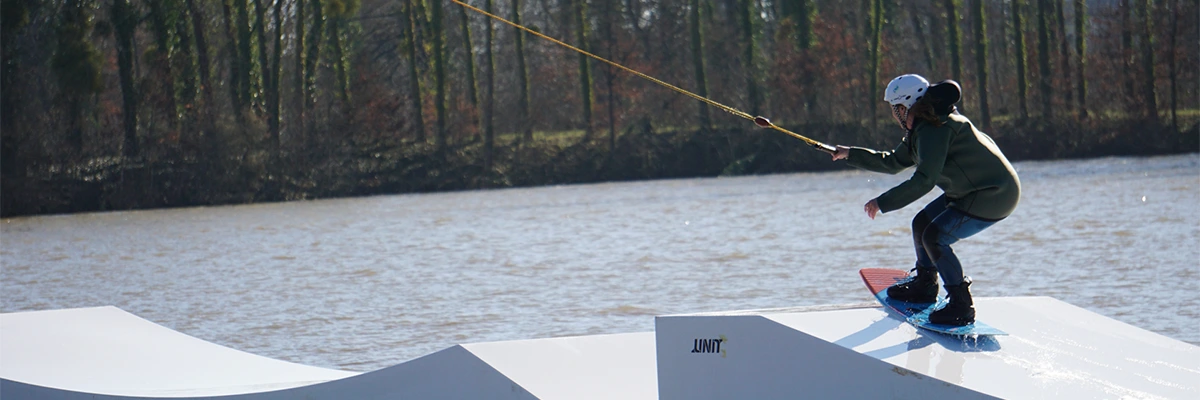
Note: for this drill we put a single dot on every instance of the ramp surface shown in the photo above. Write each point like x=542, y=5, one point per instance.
x=1054, y=351
x=107, y=353
x=105, y=350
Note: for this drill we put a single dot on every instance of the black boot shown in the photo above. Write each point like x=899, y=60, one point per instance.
x=960, y=311
x=920, y=289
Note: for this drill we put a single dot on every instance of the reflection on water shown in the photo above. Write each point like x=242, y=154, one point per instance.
x=363, y=283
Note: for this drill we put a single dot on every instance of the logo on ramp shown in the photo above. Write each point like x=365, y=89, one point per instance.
x=709, y=346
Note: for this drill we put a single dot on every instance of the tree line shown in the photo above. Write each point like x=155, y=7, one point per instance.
x=277, y=97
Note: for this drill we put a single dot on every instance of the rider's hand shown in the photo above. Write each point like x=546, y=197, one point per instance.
x=842, y=153
x=872, y=208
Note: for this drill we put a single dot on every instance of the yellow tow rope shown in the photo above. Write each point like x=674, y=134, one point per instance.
x=760, y=121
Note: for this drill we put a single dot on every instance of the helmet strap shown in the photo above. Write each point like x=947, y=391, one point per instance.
x=901, y=114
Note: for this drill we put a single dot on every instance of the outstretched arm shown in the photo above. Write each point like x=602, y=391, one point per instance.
x=888, y=162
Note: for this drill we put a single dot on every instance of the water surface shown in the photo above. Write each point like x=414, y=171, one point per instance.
x=365, y=283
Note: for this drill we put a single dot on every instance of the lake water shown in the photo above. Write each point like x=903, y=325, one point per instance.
x=364, y=283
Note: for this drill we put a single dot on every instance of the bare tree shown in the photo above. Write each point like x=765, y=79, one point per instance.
x=697, y=31
x=1080, y=58
x=981, y=65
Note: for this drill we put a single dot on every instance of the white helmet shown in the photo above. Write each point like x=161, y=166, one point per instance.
x=905, y=90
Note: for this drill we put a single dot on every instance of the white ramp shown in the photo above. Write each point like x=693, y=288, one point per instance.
x=1054, y=351
x=105, y=350
x=107, y=353
x=577, y=368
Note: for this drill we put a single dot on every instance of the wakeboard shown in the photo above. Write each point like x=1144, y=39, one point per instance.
x=917, y=314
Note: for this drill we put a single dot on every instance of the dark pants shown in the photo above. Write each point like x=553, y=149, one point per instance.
x=937, y=227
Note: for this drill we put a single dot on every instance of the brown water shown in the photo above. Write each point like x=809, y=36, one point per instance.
x=364, y=283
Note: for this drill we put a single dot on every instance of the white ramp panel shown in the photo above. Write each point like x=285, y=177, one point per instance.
x=453, y=373
x=1054, y=350
x=753, y=357
x=598, y=367
x=107, y=353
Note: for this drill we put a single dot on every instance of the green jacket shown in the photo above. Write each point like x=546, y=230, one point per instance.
x=964, y=162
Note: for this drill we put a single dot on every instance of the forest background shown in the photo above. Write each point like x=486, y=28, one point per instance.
x=129, y=104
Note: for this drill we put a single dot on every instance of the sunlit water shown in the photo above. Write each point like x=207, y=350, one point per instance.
x=364, y=283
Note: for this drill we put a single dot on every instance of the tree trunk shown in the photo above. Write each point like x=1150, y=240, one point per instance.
x=410, y=47
x=313, y=58
x=340, y=60
x=1148, y=94
x=230, y=53
x=298, y=82
x=698, y=62
x=163, y=57
x=472, y=85
x=981, y=67
x=75, y=128
x=801, y=14
x=264, y=76
x=437, y=31
x=489, y=104
x=245, y=53
x=935, y=28
x=1127, y=51
x=873, y=59
x=124, y=25
x=77, y=64
x=274, y=93
x=522, y=76
x=1021, y=58
x=1064, y=54
x=1045, y=87
x=585, y=71
x=1174, y=10
x=955, y=35
x=16, y=17
x=185, y=65
x=750, y=58
x=1080, y=59
x=608, y=25
x=203, y=69
x=922, y=40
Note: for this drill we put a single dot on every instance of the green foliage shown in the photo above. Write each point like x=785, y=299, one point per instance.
x=801, y=13
x=76, y=61
x=342, y=9
x=165, y=14
x=14, y=17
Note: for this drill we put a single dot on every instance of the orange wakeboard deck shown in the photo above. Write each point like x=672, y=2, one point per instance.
x=879, y=279
x=917, y=314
